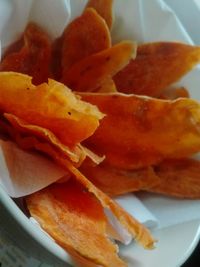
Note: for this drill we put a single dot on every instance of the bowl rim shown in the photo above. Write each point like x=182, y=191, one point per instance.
x=32, y=229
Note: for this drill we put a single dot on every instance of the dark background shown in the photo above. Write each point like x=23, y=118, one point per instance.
x=194, y=260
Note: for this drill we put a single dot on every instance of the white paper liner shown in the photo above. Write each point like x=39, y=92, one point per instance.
x=23, y=173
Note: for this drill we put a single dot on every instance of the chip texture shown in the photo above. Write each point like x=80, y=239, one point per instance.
x=31, y=55
x=104, y=8
x=157, y=66
x=139, y=131
x=76, y=220
x=89, y=73
x=50, y=105
x=84, y=36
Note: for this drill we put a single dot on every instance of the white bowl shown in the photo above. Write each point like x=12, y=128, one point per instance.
x=28, y=235
x=175, y=243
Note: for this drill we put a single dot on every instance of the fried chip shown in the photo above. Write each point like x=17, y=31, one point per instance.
x=56, y=68
x=89, y=73
x=174, y=93
x=52, y=106
x=136, y=229
x=76, y=220
x=157, y=66
x=108, y=86
x=104, y=8
x=113, y=181
x=84, y=36
x=178, y=178
x=33, y=57
x=75, y=154
x=139, y=131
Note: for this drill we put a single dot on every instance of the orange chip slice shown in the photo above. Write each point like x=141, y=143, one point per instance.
x=75, y=154
x=156, y=66
x=76, y=220
x=89, y=73
x=178, y=178
x=56, y=58
x=104, y=8
x=84, y=36
x=108, y=86
x=52, y=106
x=136, y=229
x=174, y=93
x=140, y=131
x=33, y=56
x=113, y=181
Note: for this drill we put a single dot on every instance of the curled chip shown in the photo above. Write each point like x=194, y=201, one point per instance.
x=113, y=181
x=50, y=105
x=30, y=55
x=89, y=73
x=139, y=131
x=136, y=229
x=104, y=8
x=84, y=36
x=157, y=66
x=24, y=129
x=76, y=220
x=178, y=178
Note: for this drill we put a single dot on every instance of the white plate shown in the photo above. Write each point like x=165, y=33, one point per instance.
x=175, y=244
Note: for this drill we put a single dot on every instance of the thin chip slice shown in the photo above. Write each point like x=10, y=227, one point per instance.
x=174, y=93
x=50, y=105
x=89, y=73
x=136, y=229
x=84, y=36
x=104, y=8
x=139, y=131
x=76, y=220
x=178, y=178
x=113, y=181
x=157, y=66
x=108, y=86
x=56, y=58
x=14, y=47
x=75, y=154
x=33, y=57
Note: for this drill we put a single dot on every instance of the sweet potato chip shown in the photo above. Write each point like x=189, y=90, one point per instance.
x=89, y=73
x=108, y=86
x=179, y=178
x=84, y=36
x=75, y=154
x=33, y=58
x=113, y=181
x=156, y=66
x=174, y=93
x=139, y=131
x=56, y=68
x=52, y=106
x=76, y=220
x=104, y=8
x=137, y=230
